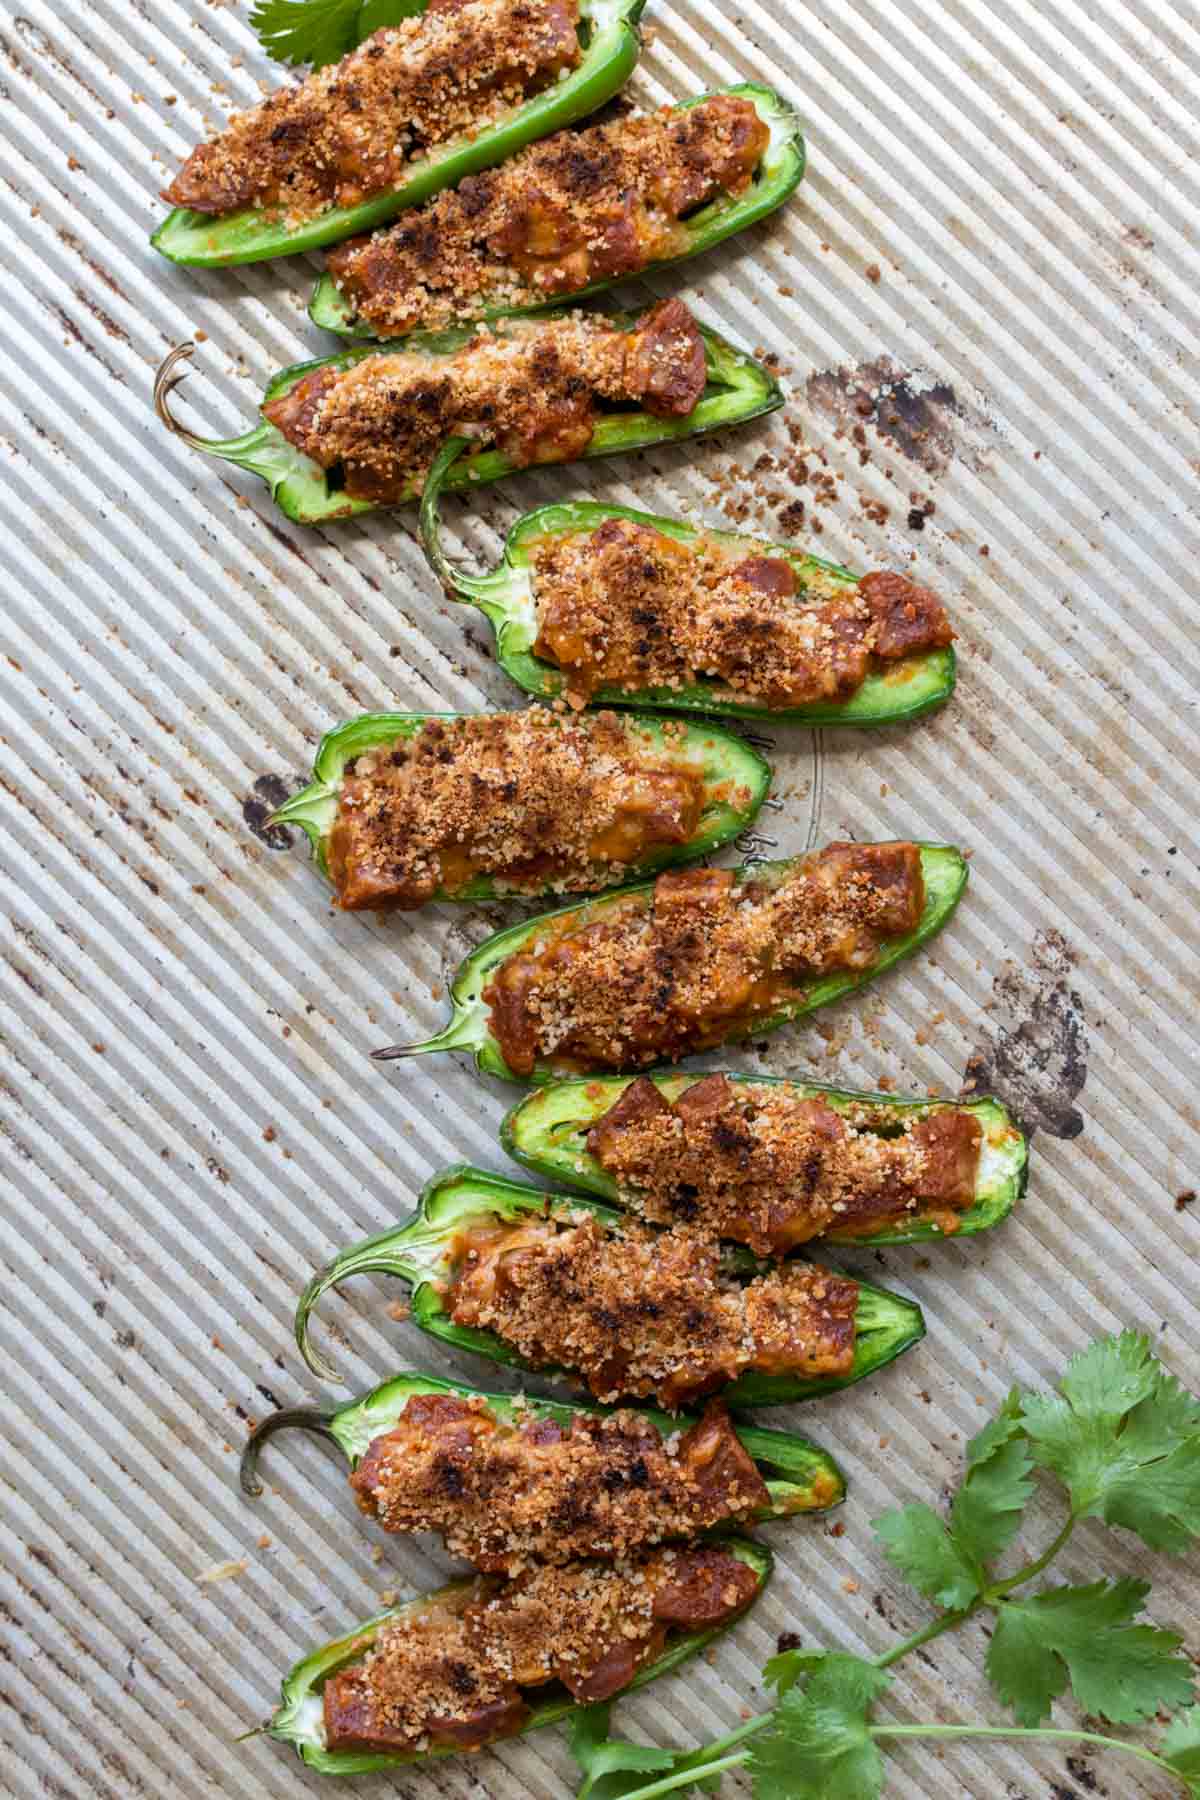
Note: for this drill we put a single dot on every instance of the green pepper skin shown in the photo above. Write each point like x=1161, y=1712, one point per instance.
x=547, y=1132
x=777, y=176
x=420, y=1250
x=799, y=1476
x=894, y=695
x=945, y=872
x=299, y=1719
x=739, y=389
x=723, y=759
x=254, y=234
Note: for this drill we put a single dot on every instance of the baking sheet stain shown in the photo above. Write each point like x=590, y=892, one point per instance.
x=1035, y=1059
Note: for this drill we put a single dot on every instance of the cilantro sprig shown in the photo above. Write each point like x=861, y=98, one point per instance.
x=323, y=31
x=1122, y=1437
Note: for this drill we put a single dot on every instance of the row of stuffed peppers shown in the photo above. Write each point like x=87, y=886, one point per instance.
x=548, y=1132
x=797, y=1478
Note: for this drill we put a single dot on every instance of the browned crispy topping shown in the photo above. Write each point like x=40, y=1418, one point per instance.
x=532, y=799
x=453, y=1674
x=505, y=1494
x=627, y=606
x=762, y=1166
x=579, y=207
x=703, y=960
x=353, y=129
x=641, y=1313
x=528, y=388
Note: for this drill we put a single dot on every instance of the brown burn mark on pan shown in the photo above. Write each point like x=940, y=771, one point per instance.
x=265, y=797
x=1035, y=1059
x=917, y=419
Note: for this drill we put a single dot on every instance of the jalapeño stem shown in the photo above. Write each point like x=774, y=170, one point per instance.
x=456, y=583
x=306, y=1417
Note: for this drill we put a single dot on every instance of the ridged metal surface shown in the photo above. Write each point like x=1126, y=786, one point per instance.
x=998, y=206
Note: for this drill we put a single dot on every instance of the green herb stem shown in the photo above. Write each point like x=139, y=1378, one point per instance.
x=934, y=1629
x=1020, y=1731
x=720, y=1745
x=686, y=1778
x=998, y=1589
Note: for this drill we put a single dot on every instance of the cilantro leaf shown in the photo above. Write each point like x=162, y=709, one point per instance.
x=985, y=1514
x=601, y=1757
x=929, y=1556
x=323, y=31
x=784, y=1671
x=997, y=1432
x=819, y=1743
x=947, y=1561
x=1181, y=1748
x=1084, y=1635
x=1124, y=1437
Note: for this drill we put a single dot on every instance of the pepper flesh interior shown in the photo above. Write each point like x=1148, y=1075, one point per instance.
x=699, y=959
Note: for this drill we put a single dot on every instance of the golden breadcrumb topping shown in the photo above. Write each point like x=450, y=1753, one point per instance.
x=639, y=1312
x=525, y=387
x=452, y=1674
x=506, y=1493
x=579, y=207
x=532, y=799
x=760, y=1164
x=626, y=606
x=700, y=958
x=355, y=129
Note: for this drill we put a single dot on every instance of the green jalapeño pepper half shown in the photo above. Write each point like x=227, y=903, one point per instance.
x=738, y=389
x=735, y=778
x=891, y=693
x=799, y=1476
x=610, y=47
x=300, y=1720
x=548, y=1131
x=945, y=875
x=423, y=1249
x=777, y=176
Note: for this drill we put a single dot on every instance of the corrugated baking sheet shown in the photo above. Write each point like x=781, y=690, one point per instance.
x=983, y=299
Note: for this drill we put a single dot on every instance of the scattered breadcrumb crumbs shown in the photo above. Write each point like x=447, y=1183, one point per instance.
x=223, y=1571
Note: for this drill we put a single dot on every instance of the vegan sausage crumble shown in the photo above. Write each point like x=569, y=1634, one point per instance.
x=531, y=800
x=766, y=1167
x=577, y=208
x=700, y=959
x=353, y=130
x=528, y=388
x=629, y=607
